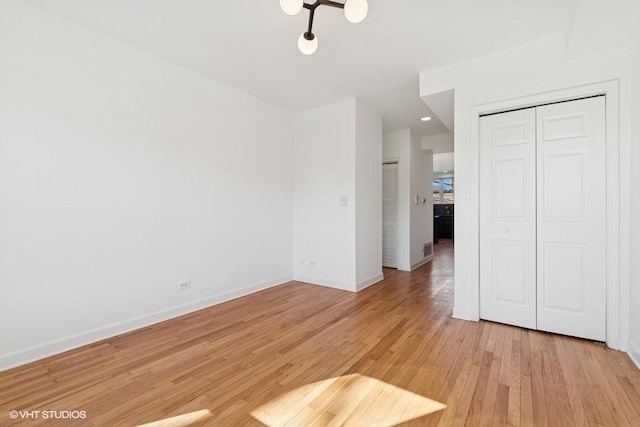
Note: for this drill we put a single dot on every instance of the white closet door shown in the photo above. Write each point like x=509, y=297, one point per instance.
x=507, y=218
x=571, y=218
x=390, y=215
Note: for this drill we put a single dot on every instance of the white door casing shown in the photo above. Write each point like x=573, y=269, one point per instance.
x=390, y=215
x=507, y=218
x=571, y=223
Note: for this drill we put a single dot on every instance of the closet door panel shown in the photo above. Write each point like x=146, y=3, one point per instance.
x=507, y=218
x=571, y=223
x=390, y=215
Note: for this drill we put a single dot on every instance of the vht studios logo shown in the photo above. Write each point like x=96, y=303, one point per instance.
x=47, y=415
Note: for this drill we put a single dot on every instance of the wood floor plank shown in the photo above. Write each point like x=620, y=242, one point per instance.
x=527, y=417
x=578, y=413
x=514, y=381
x=299, y=354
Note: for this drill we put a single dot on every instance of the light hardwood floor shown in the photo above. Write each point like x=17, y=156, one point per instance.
x=307, y=355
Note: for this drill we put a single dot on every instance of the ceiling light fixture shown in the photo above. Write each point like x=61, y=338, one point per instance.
x=425, y=118
x=354, y=10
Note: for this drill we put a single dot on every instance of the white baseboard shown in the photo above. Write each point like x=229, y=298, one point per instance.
x=421, y=262
x=326, y=283
x=50, y=348
x=623, y=344
x=370, y=281
x=338, y=285
x=464, y=315
x=634, y=353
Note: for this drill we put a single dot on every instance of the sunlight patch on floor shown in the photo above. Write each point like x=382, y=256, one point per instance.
x=347, y=400
x=183, y=420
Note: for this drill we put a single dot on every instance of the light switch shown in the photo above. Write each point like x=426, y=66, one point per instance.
x=344, y=202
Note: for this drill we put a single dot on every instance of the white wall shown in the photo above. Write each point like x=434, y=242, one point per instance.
x=421, y=213
x=396, y=146
x=535, y=68
x=338, y=154
x=324, y=171
x=122, y=175
x=442, y=143
x=368, y=196
x=634, y=321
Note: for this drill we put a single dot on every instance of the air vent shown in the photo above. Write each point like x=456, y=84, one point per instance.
x=427, y=249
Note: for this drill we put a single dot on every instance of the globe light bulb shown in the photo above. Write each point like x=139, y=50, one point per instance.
x=356, y=10
x=291, y=7
x=307, y=46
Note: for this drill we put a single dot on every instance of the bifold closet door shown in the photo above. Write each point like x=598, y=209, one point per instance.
x=571, y=226
x=508, y=218
x=390, y=215
x=543, y=218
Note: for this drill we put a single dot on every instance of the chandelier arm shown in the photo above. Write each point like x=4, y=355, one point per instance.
x=332, y=3
x=317, y=3
x=312, y=9
x=309, y=34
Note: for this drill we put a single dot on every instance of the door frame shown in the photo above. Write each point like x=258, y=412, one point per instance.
x=616, y=281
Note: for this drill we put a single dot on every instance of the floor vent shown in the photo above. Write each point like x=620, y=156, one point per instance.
x=427, y=249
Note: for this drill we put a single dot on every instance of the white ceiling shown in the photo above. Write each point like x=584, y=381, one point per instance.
x=251, y=44
x=443, y=163
x=402, y=108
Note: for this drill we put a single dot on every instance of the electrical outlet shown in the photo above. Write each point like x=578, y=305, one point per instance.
x=184, y=285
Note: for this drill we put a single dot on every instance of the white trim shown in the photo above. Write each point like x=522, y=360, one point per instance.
x=326, y=283
x=370, y=281
x=634, y=353
x=339, y=285
x=51, y=348
x=623, y=344
x=464, y=315
x=617, y=225
x=422, y=262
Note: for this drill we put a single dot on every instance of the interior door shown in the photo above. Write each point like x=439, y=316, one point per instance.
x=507, y=218
x=572, y=218
x=390, y=215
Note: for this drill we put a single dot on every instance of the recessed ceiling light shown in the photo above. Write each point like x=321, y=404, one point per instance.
x=445, y=171
x=425, y=118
